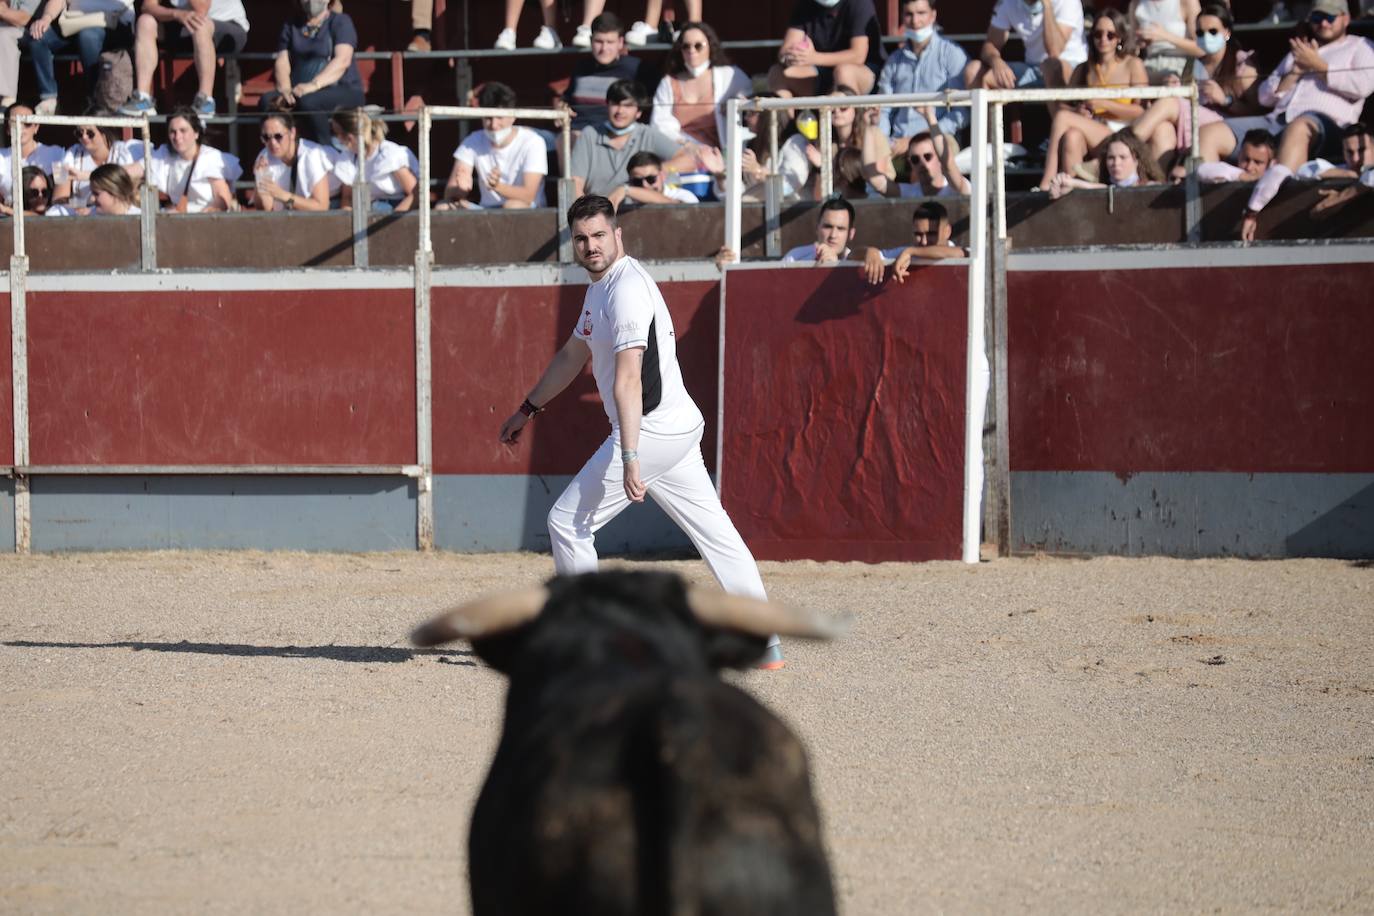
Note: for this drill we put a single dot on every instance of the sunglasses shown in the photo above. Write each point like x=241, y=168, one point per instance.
x=917, y=157
x=1104, y=33
x=85, y=133
x=1322, y=18
x=695, y=45
x=277, y=137
x=643, y=181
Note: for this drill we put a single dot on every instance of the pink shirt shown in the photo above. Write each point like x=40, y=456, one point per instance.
x=1339, y=95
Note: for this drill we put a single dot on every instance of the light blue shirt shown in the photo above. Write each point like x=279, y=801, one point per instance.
x=939, y=67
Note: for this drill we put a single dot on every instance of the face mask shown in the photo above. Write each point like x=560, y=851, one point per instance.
x=828, y=4
x=312, y=8
x=497, y=137
x=699, y=70
x=1210, y=44
x=1035, y=8
x=745, y=135
x=618, y=131
x=1128, y=181
x=920, y=36
x=338, y=144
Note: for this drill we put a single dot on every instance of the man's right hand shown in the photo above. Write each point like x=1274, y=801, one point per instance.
x=1248, y=225
x=510, y=430
x=1003, y=77
x=873, y=267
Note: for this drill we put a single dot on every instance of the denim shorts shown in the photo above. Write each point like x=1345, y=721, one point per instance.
x=1326, y=146
x=1028, y=76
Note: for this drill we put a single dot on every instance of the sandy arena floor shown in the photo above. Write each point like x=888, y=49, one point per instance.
x=189, y=732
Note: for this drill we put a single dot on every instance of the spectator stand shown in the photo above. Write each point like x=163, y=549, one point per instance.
x=987, y=109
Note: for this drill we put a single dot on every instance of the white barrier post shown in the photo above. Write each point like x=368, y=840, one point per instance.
x=975, y=393
x=734, y=192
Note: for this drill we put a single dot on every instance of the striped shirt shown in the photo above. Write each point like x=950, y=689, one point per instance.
x=1339, y=95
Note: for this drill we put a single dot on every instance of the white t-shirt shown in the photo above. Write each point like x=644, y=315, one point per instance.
x=893, y=254
x=806, y=253
x=679, y=195
x=44, y=156
x=168, y=172
x=1013, y=16
x=123, y=152
x=524, y=153
x=220, y=11
x=625, y=309
x=314, y=163
x=380, y=169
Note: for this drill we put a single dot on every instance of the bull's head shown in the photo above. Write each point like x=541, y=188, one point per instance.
x=654, y=614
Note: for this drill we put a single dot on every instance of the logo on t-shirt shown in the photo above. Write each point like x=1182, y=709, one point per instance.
x=587, y=324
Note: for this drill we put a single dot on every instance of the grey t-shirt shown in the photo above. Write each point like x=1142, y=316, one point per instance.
x=602, y=166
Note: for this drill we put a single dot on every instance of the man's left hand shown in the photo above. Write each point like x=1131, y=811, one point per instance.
x=634, y=487
x=1305, y=56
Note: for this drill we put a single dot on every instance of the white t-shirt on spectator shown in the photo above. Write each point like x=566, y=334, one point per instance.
x=1013, y=16
x=59, y=210
x=679, y=195
x=915, y=190
x=220, y=11
x=525, y=153
x=123, y=152
x=44, y=156
x=168, y=172
x=379, y=169
x=314, y=163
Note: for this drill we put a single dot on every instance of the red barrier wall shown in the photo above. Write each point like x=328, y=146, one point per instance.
x=6, y=385
x=170, y=377
x=844, y=413
x=1249, y=369
x=490, y=347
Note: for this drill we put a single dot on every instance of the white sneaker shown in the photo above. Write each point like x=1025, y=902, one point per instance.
x=583, y=38
x=506, y=40
x=46, y=106
x=640, y=33
x=548, y=39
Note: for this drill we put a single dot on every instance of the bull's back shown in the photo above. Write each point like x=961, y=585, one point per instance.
x=662, y=795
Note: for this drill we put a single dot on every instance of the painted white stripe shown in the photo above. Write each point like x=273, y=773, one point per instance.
x=1205, y=256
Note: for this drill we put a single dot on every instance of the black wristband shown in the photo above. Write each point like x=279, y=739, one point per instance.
x=528, y=409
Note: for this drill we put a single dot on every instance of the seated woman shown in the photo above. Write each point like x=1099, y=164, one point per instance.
x=36, y=196
x=1078, y=131
x=850, y=128
x=1224, y=77
x=1127, y=162
x=1167, y=29
x=113, y=192
x=314, y=69
x=190, y=175
x=95, y=146
x=508, y=163
x=389, y=169
x=690, y=101
x=757, y=164
x=292, y=173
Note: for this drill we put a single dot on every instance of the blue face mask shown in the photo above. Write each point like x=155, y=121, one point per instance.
x=920, y=36
x=1210, y=44
x=618, y=131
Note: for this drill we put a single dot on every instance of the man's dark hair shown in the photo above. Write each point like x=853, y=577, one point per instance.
x=590, y=205
x=1259, y=137
x=642, y=158
x=608, y=22
x=1358, y=129
x=628, y=91
x=836, y=203
x=192, y=119
x=932, y=211
x=932, y=3
x=496, y=95
x=923, y=137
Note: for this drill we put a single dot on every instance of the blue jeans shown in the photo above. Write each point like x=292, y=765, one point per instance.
x=89, y=43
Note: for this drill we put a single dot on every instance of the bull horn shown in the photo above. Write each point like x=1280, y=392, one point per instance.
x=483, y=617
x=762, y=618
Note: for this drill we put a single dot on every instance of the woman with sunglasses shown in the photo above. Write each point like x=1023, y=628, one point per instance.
x=292, y=173
x=94, y=147
x=33, y=153
x=1168, y=28
x=1079, y=131
x=857, y=130
x=113, y=192
x=190, y=175
x=1224, y=77
x=690, y=100
x=389, y=168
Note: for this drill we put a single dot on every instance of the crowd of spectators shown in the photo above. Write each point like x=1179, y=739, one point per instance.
x=645, y=137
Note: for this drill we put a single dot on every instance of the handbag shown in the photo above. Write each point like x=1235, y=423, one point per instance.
x=69, y=23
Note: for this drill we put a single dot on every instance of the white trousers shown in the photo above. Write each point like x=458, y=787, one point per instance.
x=676, y=478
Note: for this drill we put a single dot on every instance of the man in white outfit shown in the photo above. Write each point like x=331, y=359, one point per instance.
x=655, y=442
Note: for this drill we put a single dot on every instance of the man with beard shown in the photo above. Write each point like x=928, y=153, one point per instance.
x=654, y=447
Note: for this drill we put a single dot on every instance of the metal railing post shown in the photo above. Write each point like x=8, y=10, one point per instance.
x=424, y=374
x=362, y=205
x=734, y=192
x=828, y=152
x=1193, y=205
x=977, y=283
x=19, y=349
x=147, y=219
x=772, y=216
x=567, y=190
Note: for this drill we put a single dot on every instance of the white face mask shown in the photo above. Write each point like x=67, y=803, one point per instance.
x=828, y=3
x=699, y=70
x=1035, y=8
x=1211, y=44
x=497, y=137
x=920, y=36
x=1129, y=181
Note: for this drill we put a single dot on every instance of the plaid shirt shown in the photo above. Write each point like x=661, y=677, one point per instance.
x=1339, y=95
